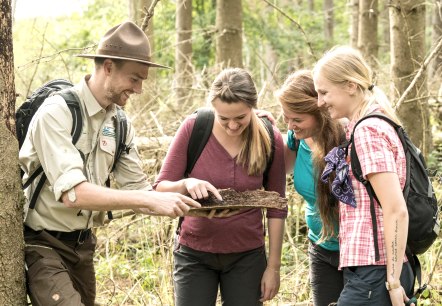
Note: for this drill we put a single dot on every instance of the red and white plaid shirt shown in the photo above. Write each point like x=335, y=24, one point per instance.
x=379, y=150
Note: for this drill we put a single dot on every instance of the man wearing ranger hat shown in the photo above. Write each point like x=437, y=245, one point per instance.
x=60, y=246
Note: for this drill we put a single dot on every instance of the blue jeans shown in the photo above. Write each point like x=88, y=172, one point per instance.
x=197, y=276
x=365, y=285
x=325, y=278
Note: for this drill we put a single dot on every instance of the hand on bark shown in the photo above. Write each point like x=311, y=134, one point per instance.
x=199, y=189
x=169, y=204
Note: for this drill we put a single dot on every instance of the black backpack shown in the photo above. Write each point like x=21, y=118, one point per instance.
x=27, y=110
x=201, y=132
x=419, y=196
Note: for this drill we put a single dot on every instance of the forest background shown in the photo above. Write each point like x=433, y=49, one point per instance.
x=197, y=38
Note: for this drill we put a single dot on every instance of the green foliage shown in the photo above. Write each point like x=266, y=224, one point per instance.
x=45, y=48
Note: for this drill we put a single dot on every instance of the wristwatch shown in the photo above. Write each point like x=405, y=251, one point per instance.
x=392, y=285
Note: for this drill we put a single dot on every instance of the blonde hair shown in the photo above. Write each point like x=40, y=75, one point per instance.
x=344, y=64
x=299, y=96
x=235, y=85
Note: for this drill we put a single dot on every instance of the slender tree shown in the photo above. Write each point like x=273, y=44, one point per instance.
x=328, y=22
x=368, y=30
x=436, y=68
x=407, y=28
x=354, y=22
x=311, y=5
x=384, y=26
x=183, y=51
x=229, y=33
x=12, y=285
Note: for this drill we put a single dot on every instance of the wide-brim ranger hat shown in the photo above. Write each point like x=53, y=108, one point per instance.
x=125, y=41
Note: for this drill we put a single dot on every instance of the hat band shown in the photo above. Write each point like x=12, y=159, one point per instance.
x=127, y=55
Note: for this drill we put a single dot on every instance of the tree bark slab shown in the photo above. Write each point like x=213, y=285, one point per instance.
x=239, y=200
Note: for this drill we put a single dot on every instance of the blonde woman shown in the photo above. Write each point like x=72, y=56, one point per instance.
x=345, y=87
x=227, y=253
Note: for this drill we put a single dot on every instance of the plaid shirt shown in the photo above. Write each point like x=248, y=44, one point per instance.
x=379, y=150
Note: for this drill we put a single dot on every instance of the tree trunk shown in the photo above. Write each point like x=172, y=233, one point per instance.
x=12, y=285
x=436, y=67
x=229, y=33
x=311, y=5
x=354, y=23
x=407, y=27
x=384, y=47
x=137, y=12
x=183, y=51
x=328, y=23
x=368, y=30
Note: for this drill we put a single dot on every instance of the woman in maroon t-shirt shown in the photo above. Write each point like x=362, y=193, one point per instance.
x=227, y=252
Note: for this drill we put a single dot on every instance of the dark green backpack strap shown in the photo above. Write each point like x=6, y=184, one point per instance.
x=120, y=142
x=198, y=138
x=73, y=102
x=269, y=128
x=120, y=135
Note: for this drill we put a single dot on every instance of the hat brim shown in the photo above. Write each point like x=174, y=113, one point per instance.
x=150, y=64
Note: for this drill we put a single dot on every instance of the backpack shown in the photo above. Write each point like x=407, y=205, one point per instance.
x=418, y=192
x=28, y=109
x=296, y=143
x=201, y=132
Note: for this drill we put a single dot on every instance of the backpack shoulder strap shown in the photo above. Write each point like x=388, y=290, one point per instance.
x=291, y=136
x=120, y=141
x=73, y=102
x=355, y=163
x=200, y=135
x=357, y=172
x=202, y=129
x=120, y=135
x=269, y=128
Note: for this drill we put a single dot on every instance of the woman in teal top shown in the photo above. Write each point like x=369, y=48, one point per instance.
x=311, y=135
x=304, y=182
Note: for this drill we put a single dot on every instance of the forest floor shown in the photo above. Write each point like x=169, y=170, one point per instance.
x=134, y=258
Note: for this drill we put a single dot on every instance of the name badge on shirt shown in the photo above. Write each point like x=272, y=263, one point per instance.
x=108, y=131
x=107, y=139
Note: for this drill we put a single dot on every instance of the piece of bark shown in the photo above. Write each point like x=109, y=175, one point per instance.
x=239, y=200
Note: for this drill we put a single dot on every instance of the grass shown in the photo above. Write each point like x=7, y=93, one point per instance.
x=134, y=262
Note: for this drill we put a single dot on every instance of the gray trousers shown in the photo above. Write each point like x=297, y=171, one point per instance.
x=59, y=272
x=325, y=278
x=197, y=276
x=365, y=285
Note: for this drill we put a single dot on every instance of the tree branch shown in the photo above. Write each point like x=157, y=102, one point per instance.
x=297, y=25
x=419, y=74
x=149, y=15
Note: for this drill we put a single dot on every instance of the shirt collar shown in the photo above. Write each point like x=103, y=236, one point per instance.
x=350, y=126
x=91, y=104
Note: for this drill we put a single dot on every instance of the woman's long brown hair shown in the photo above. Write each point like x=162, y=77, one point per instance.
x=299, y=96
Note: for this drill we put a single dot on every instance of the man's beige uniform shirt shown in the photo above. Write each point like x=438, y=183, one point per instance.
x=49, y=143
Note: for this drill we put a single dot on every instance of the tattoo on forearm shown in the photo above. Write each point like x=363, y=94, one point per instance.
x=394, y=257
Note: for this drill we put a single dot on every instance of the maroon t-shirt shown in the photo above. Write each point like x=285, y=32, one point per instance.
x=241, y=232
